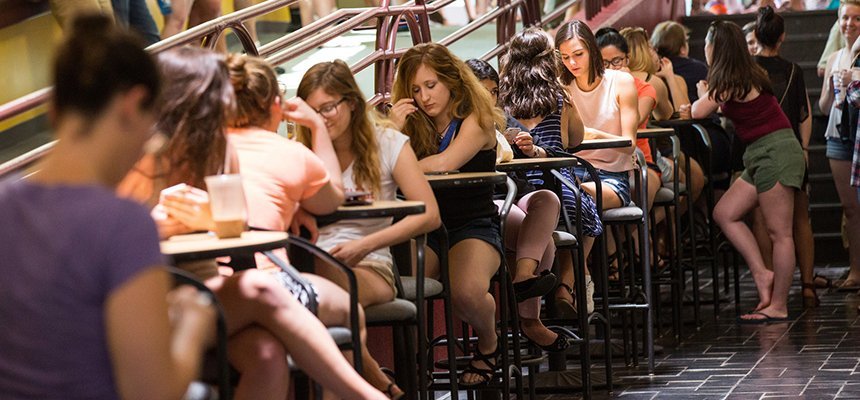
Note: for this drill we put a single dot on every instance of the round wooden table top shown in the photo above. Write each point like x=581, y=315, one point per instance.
x=199, y=246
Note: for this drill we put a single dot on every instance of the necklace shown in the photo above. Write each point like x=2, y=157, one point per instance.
x=444, y=130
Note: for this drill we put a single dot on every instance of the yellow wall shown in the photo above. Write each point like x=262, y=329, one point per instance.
x=26, y=50
x=25, y=59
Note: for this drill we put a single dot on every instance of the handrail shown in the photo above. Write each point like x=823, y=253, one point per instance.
x=388, y=17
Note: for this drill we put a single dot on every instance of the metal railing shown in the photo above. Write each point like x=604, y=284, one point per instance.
x=592, y=7
x=387, y=18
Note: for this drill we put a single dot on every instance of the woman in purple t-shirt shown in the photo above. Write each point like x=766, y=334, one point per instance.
x=81, y=270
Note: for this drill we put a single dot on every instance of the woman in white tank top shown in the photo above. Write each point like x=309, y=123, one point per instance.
x=840, y=152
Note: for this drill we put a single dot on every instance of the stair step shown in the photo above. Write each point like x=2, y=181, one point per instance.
x=826, y=218
x=828, y=248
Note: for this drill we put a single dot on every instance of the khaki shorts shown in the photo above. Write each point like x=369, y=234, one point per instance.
x=383, y=269
x=774, y=158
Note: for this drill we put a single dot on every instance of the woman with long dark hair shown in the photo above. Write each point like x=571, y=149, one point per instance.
x=774, y=165
x=530, y=93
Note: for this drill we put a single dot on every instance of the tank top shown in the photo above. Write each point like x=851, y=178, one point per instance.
x=756, y=118
x=458, y=206
x=599, y=110
x=835, y=117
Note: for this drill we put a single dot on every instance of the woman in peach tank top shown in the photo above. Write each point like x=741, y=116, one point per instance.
x=607, y=103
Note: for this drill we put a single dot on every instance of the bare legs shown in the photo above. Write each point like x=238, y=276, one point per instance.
x=848, y=197
x=729, y=213
x=803, y=242
x=253, y=297
x=472, y=263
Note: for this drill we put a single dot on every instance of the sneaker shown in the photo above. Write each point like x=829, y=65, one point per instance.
x=589, y=294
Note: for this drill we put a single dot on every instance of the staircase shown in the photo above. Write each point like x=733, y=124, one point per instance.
x=806, y=35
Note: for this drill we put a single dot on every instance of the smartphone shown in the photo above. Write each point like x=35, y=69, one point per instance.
x=511, y=133
x=358, y=198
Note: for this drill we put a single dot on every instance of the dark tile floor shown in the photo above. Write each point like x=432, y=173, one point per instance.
x=816, y=355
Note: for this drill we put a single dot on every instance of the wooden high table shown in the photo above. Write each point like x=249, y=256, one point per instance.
x=464, y=179
x=203, y=246
x=595, y=144
x=376, y=209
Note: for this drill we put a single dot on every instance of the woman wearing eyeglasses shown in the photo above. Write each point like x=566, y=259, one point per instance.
x=371, y=159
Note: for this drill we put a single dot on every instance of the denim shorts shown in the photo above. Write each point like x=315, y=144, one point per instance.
x=619, y=182
x=838, y=150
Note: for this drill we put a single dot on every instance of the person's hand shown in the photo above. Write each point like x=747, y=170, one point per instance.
x=666, y=69
x=525, y=143
x=191, y=211
x=298, y=111
x=702, y=89
x=168, y=226
x=685, y=111
x=400, y=111
x=352, y=252
x=841, y=78
x=191, y=309
x=304, y=219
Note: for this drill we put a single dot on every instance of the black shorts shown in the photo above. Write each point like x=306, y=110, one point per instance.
x=487, y=229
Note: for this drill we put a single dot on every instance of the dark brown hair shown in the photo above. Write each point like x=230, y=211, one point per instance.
x=96, y=62
x=577, y=29
x=198, y=99
x=255, y=87
x=769, y=27
x=335, y=78
x=529, y=86
x=733, y=73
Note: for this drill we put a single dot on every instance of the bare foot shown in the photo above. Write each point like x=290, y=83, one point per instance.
x=537, y=333
x=764, y=285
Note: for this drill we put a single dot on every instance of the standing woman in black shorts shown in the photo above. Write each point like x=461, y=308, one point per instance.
x=450, y=120
x=773, y=163
x=786, y=79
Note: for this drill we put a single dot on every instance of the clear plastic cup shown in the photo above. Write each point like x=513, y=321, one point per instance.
x=227, y=200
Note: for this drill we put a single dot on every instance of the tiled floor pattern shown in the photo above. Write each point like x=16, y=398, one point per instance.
x=816, y=355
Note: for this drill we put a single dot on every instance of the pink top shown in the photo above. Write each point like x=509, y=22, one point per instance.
x=277, y=174
x=599, y=110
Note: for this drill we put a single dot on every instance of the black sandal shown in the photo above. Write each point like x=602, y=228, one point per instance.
x=487, y=375
x=559, y=345
x=534, y=287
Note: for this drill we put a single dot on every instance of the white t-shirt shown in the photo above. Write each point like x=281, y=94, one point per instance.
x=390, y=144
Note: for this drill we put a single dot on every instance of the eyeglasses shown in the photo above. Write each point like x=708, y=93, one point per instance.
x=330, y=110
x=615, y=62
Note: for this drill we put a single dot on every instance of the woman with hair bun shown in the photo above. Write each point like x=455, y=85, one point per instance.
x=86, y=305
x=786, y=79
x=265, y=320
